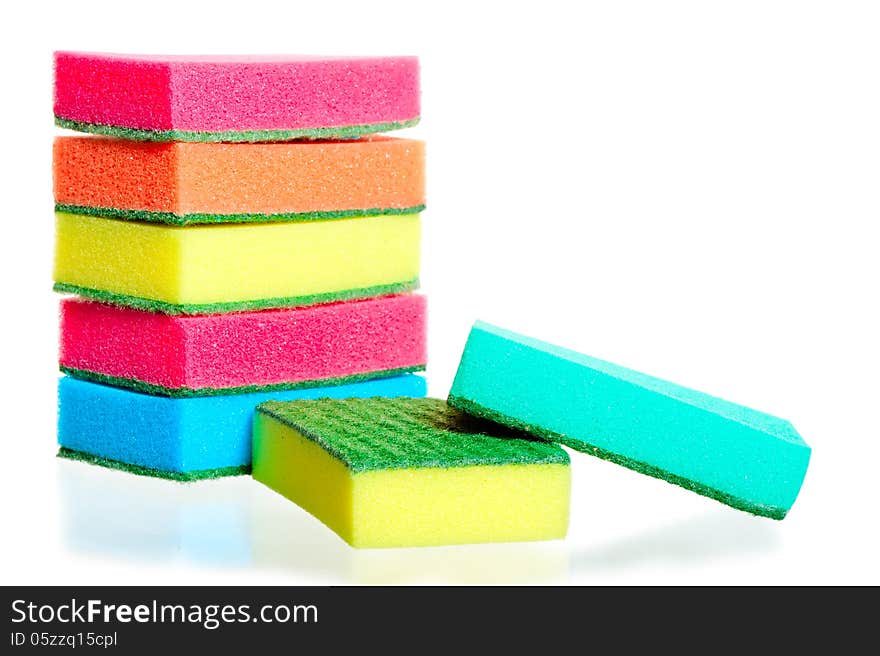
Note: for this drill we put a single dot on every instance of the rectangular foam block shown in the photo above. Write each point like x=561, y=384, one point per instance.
x=234, y=98
x=243, y=351
x=741, y=457
x=234, y=267
x=181, y=439
x=411, y=472
x=184, y=183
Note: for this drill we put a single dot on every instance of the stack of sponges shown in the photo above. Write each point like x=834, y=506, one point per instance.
x=238, y=233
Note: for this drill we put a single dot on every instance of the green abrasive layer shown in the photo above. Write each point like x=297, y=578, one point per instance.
x=408, y=433
x=641, y=467
x=196, y=219
x=252, y=136
x=188, y=392
x=163, y=307
x=184, y=477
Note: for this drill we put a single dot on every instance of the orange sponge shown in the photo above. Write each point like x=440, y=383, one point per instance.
x=181, y=183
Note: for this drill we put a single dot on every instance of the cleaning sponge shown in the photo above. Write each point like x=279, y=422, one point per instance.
x=181, y=439
x=234, y=98
x=247, y=351
x=411, y=472
x=234, y=267
x=182, y=183
x=741, y=457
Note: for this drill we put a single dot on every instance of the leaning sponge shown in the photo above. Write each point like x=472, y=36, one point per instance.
x=234, y=98
x=184, y=183
x=741, y=457
x=182, y=439
x=243, y=351
x=411, y=472
x=234, y=267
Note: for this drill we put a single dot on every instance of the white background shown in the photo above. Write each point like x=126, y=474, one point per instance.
x=689, y=189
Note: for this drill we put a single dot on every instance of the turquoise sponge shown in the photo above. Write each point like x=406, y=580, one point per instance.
x=741, y=457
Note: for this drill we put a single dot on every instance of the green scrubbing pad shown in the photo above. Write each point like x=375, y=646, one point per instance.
x=151, y=305
x=200, y=475
x=232, y=136
x=405, y=472
x=741, y=457
x=404, y=433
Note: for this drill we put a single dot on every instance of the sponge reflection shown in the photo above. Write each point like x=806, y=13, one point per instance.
x=236, y=523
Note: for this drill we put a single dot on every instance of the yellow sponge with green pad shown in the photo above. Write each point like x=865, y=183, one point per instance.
x=231, y=267
x=401, y=472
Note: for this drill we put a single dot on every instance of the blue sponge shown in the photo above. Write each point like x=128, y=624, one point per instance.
x=741, y=457
x=181, y=438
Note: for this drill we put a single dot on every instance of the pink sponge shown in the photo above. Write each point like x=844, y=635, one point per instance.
x=247, y=351
x=234, y=98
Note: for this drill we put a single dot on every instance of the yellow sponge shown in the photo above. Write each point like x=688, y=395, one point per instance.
x=217, y=268
x=398, y=472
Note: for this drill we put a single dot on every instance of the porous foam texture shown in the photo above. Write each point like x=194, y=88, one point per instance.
x=411, y=472
x=234, y=98
x=185, y=183
x=243, y=352
x=181, y=439
x=741, y=457
x=234, y=267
